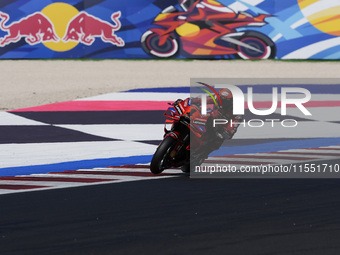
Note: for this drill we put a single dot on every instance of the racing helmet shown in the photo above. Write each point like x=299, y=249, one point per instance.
x=226, y=98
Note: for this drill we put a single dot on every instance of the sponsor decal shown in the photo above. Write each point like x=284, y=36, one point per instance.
x=61, y=27
x=198, y=122
x=179, y=110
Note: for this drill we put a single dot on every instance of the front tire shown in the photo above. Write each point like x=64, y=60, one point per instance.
x=185, y=168
x=150, y=44
x=161, y=158
x=258, y=41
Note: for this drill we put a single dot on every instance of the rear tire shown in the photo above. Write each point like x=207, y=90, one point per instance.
x=161, y=158
x=258, y=41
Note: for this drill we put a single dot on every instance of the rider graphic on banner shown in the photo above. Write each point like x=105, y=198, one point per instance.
x=212, y=12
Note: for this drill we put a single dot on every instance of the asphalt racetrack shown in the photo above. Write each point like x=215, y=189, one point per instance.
x=176, y=216
x=75, y=180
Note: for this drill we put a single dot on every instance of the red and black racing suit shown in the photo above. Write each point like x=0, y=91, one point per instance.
x=214, y=136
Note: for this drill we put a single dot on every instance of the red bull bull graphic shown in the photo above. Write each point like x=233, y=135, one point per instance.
x=35, y=28
x=85, y=27
x=60, y=27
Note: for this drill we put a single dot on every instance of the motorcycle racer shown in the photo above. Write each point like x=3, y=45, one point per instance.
x=193, y=135
x=225, y=112
x=214, y=136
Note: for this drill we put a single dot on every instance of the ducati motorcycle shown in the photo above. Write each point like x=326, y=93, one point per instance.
x=198, y=38
x=174, y=150
x=185, y=143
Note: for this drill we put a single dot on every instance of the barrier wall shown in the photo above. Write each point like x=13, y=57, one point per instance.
x=112, y=29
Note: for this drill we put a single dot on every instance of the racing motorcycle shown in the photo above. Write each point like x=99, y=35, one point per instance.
x=183, y=144
x=199, y=39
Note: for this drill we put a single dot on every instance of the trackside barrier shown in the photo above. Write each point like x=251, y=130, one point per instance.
x=111, y=29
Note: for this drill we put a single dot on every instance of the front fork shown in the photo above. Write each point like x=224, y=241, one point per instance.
x=176, y=156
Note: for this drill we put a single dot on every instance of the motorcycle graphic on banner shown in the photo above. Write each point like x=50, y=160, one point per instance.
x=202, y=38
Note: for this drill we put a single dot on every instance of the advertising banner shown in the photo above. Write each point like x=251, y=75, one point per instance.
x=148, y=29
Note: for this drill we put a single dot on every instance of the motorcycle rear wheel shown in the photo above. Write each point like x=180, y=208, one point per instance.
x=258, y=41
x=161, y=158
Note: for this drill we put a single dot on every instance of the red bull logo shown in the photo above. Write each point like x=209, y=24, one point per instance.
x=85, y=27
x=61, y=27
x=35, y=28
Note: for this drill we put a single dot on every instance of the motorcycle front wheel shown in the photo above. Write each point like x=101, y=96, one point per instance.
x=266, y=48
x=150, y=44
x=161, y=158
